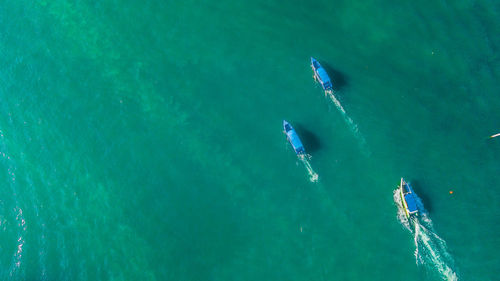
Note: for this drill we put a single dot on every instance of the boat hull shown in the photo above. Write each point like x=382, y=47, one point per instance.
x=320, y=75
x=293, y=138
x=408, y=199
x=403, y=202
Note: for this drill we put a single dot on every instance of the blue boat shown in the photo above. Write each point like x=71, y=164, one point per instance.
x=293, y=138
x=408, y=199
x=321, y=75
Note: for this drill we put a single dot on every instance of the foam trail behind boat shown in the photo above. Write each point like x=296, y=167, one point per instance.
x=433, y=249
x=304, y=158
x=430, y=249
x=349, y=121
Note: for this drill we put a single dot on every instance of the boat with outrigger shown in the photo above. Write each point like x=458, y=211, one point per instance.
x=293, y=138
x=408, y=199
x=321, y=76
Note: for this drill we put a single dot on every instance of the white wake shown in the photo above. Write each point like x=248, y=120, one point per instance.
x=352, y=126
x=430, y=249
x=304, y=158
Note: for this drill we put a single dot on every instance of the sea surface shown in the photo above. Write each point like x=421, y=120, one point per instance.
x=142, y=140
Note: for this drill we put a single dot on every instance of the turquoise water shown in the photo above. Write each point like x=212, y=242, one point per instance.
x=142, y=140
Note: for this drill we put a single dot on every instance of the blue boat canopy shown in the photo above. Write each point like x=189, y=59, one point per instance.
x=323, y=75
x=409, y=197
x=293, y=138
x=296, y=143
x=411, y=203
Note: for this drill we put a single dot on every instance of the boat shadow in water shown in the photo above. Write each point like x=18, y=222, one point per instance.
x=425, y=204
x=309, y=139
x=339, y=80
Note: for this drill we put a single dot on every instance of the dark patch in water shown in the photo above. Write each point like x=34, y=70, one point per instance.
x=309, y=139
x=426, y=201
x=339, y=80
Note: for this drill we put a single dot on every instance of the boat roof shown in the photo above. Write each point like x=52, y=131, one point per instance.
x=323, y=75
x=411, y=202
x=295, y=140
x=409, y=197
x=293, y=137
